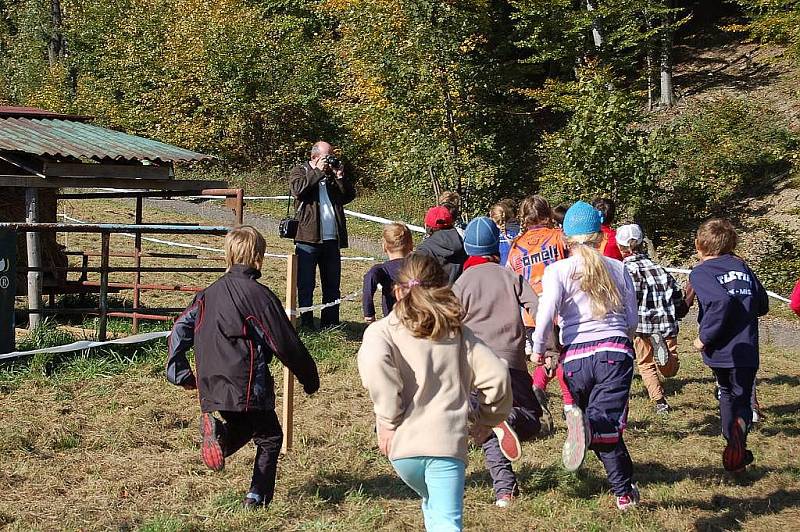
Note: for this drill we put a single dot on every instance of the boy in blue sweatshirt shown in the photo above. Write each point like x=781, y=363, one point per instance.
x=731, y=301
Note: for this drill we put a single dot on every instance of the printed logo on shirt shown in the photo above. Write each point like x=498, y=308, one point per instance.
x=733, y=276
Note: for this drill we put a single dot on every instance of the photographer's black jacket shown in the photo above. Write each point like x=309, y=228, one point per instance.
x=236, y=326
x=304, y=187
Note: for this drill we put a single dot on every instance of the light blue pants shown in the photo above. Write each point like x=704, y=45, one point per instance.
x=440, y=483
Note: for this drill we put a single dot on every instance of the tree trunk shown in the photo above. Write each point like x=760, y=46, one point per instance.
x=55, y=46
x=597, y=36
x=667, y=89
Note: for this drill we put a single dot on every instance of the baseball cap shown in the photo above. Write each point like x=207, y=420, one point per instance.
x=438, y=218
x=629, y=232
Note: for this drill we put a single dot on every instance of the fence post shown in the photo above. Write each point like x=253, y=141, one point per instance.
x=137, y=262
x=8, y=288
x=288, y=377
x=105, y=250
x=32, y=241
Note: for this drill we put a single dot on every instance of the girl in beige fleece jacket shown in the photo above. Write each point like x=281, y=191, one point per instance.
x=419, y=365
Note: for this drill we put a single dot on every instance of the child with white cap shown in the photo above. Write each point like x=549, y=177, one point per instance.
x=661, y=305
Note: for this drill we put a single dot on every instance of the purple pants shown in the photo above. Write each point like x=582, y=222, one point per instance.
x=599, y=376
x=735, y=390
x=524, y=419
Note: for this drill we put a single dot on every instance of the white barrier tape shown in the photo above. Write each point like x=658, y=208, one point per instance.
x=203, y=248
x=384, y=221
x=82, y=345
x=312, y=308
x=769, y=293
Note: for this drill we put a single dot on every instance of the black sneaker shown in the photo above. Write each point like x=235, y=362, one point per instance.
x=253, y=501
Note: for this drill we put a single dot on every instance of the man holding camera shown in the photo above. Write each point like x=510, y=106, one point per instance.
x=320, y=190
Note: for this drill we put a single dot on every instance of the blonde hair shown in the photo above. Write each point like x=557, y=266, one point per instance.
x=501, y=213
x=397, y=237
x=429, y=308
x=534, y=210
x=716, y=237
x=595, y=278
x=244, y=245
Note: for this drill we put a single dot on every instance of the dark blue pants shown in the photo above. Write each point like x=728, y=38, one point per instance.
x=735, y=390
x=524, y=419
x=600, y=384
x=329, y=259
x=263, y=428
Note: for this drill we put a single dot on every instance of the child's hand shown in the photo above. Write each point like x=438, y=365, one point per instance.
x=698, y=344
x=369, y=319
x=385, y=437
x=537, y=359
x=480, y=433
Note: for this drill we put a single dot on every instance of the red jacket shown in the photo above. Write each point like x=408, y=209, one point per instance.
x=795, y=303
x=610, y=248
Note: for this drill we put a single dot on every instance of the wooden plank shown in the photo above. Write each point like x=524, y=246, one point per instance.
x=32, y=241
x=102, y=182
x=288, y=377
x=113, y=171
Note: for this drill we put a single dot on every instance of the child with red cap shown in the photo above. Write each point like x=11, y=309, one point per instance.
x=443, y=242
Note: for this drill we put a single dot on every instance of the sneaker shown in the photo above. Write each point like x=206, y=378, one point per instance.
x=748, y=459
x=211, y=430
x=662, y=407
x=504, y=501
x=253, y=501
x=661, y=353
x=629, y=500
x=578, y=437
x=546, y=420
x=509, y=442
x=734, y=455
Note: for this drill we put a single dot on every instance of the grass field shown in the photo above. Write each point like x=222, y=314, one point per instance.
x=103, y=442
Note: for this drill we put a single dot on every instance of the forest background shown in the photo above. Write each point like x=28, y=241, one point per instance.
x=493, y=98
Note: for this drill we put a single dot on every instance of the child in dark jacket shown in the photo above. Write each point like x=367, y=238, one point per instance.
x=236, y=326
x=443, y=242
x=397, y=244
x=731, y=300
x=492, y=297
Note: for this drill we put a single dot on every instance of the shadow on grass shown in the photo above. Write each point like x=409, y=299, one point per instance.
x=656, y=473
x=335, y=487
x=733, y=512
x=531, y=479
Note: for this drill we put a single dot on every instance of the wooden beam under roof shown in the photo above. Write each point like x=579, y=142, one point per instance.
x=103, y=182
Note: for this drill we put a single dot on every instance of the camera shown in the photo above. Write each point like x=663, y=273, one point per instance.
x=332, y=161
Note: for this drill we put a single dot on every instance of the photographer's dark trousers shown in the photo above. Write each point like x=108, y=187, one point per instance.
x=329, y=259
x=263, y=428
x=735, y=391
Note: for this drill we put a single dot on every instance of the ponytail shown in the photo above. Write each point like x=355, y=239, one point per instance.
x=595, y=278
x=428, y=308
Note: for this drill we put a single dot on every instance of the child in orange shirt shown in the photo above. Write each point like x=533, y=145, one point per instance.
x=539, y=245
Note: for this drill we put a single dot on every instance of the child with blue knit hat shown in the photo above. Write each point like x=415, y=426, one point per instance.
x=594, y=299
x=492, y=296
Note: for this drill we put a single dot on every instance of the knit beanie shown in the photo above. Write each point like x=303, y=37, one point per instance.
x=482, y=238
x=581, y=219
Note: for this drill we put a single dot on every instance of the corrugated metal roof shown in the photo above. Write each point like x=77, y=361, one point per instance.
x=71, y=138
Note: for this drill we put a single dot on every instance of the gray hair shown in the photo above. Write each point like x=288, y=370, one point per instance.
x=315, y=150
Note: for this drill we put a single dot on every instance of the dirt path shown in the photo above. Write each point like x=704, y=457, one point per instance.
x=212, y=210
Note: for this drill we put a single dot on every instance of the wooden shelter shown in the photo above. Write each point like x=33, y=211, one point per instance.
x=42, y=152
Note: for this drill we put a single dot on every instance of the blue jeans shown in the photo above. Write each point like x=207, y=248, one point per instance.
x=329, y=259
x=440, y=483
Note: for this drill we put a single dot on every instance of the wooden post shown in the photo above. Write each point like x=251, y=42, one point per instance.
x=137, y=262
x=33, y=245
x=288, y=377
x=105, y=250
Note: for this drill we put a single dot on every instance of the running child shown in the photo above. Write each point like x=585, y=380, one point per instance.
x=731, y=300
x=595, y=302
x=443, y=242
x=236, y=326
x=492, y=296
x=397, y=244
x=608, y=212
x=794, y=303
x=661, y=304
x=419, y=365
x=502, y=214
x=539, y=246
